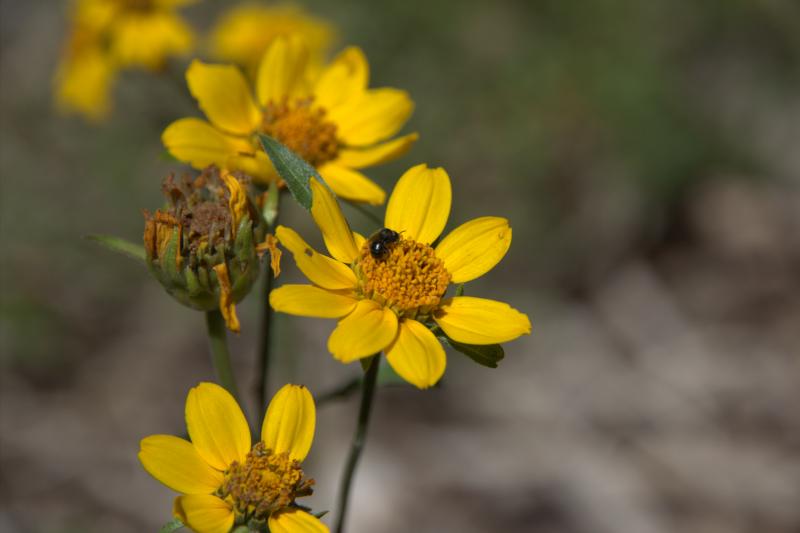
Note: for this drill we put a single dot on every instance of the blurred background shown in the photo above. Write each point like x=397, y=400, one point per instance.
x=647, y=156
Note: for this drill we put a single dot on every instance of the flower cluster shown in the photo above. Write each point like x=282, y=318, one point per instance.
x=280, y=118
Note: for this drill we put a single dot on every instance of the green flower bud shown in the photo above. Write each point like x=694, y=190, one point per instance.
x=202, y=246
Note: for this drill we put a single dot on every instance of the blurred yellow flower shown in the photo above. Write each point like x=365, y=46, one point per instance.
x=84, y=77
x=107, y=35
x=335, y=123
x=224, y=479
x=387, y=299
x=244, y=32
x=140, y=33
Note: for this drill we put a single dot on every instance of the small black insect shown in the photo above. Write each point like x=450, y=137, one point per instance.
x=380, y=241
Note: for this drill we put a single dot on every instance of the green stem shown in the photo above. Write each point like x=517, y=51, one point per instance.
x=270, y=214
x=357, y=446
x=220, y=356
x=265, y=340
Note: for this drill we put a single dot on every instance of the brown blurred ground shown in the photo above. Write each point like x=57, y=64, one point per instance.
x=647, y=156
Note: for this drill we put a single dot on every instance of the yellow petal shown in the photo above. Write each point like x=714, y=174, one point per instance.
x=217, y=426
x=481, y=321
x=352, y=184
x=343, y=80
x=223, y=95
x=416, y=355
x=254, y=163
x=176, y=464
x=237, y=203
x=376, y=154
x=331, y=222
x=367, y=330
x=474, y=248
x=319, y=269
x=204, y=513
x=282, y=69
x=148, y=39
x=295, y=521
x=290, y=421
x=372, y=117
x=270, y=245
x=307, y=300
x=226, y=304
x=83, y=83
x=420, y=203
x=200, y=144
x=360, y=239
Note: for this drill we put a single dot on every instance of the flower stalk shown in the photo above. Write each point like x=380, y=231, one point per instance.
x=359, y=438
x=220, y=355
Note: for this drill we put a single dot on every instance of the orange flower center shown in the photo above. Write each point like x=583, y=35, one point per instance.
x=408, y=277
x=303, y=129
x=264, y=483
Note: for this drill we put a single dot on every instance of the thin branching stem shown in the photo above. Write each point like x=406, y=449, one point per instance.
x=359, y=438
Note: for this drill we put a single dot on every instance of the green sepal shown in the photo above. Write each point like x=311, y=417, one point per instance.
x=483, y=354
x=192, y=283
x=173, y=525
x=460, y=289
x=294, y=170
x=116, y=244
x=169, y=263
x=243, y=247
x=320, y=514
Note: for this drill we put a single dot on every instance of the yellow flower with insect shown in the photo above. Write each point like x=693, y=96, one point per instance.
x=388, y=291
x=244, y=32
x=224, y=479
x=336, y=124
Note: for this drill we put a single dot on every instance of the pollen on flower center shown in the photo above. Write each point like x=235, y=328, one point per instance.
x=302, y=128
x=264, y=483
x=409, y=279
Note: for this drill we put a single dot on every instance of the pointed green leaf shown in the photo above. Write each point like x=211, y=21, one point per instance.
x=172, y=525
x=115, y=244
x=294, y=170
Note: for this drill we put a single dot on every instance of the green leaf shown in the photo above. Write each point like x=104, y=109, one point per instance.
x=115, y=244
x=173, y=525
x=292, y=168
x=483, y=354
x=320, y=514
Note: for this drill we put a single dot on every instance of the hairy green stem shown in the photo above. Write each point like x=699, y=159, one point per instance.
x=359, y=438
x=220, y=356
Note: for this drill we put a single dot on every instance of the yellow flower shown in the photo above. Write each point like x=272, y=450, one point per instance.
x=223, y=478
x=84, y=76
x=389, y=302
x=107, y=35
x=336, y=124
x=140, y=33
x=244, y=32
